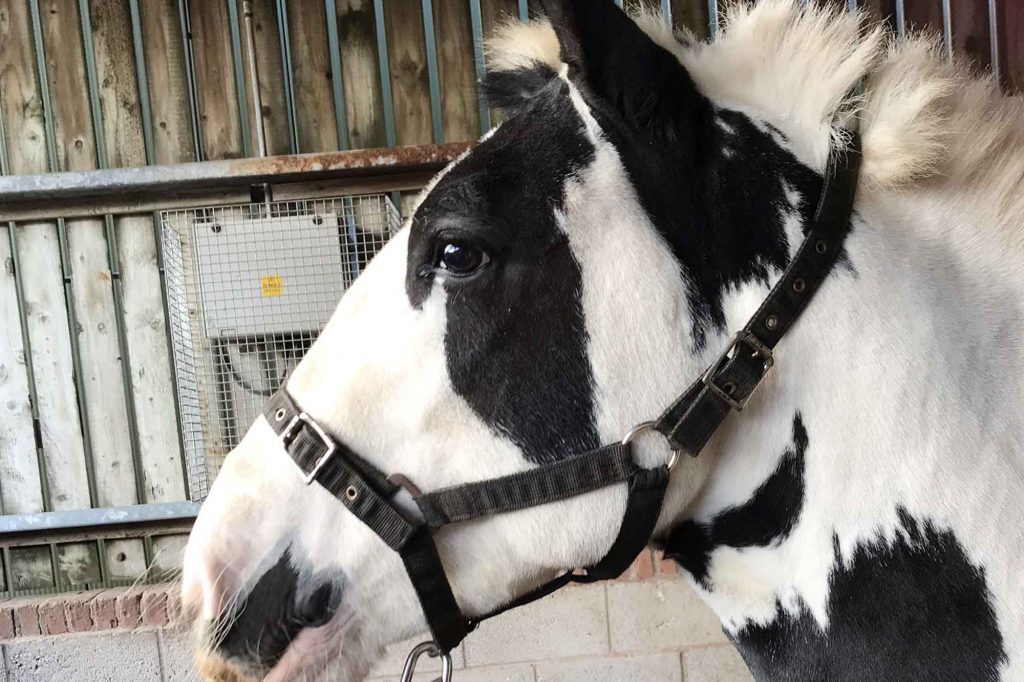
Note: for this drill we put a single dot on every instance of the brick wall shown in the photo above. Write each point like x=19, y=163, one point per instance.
x=647, y=626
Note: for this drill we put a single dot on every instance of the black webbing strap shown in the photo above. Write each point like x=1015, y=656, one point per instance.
x=692, y=419
x=550, y=483
x=367, y=494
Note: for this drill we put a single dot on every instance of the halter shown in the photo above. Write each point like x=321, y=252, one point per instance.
x=686, y=425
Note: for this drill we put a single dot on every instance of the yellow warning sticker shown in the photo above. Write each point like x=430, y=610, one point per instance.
x=271, y=285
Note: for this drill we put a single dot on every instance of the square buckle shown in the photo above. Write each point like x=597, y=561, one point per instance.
x=743, y=337
x=289, y=433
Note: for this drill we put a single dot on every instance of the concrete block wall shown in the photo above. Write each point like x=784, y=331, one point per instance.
x=649, y=626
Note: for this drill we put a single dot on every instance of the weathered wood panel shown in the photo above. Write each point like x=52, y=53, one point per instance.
x=407, y=57
x=460, y=109
x=145, y=329
x=39, y=251
x=19, y=471
x=168, y=83
x=99, y=350
x=1011, y=44
x=221, y=131
x=691, y=15
x=271, y=70
x=21, y=110
x=364, y=102
x=311, y=73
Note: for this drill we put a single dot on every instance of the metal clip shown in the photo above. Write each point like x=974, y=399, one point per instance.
x=431, y=650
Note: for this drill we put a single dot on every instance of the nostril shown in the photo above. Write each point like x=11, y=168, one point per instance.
x=320, y=606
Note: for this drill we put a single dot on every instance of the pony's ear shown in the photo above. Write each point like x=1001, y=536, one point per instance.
x=610, y=57
x=514, y=89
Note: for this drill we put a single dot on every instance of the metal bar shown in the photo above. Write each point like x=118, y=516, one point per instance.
x=243, y=99
x=476, y=21
x=337, y=77
x=184, y=17
x=222, y=174
x=113, y=264
x=385, y=71
x=148, y=142
x=666, y=10
x=101, y=558
x=618, y=3
x=62, y=240
x=142, y=80
x=433, y=78
x=254, y=79
x=947, y=29
x=713, y=18
x=852, y=6
x=284, y=35
x=54, y=563
x=524, y=10
x=108, y=516
x=993, y=39
x=901, y=20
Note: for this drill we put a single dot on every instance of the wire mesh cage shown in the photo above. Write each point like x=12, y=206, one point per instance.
x=249, y=288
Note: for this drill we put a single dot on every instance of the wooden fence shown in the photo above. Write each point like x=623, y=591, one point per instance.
x=87, y=399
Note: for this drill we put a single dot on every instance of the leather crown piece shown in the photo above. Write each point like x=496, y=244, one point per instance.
x=687, y=425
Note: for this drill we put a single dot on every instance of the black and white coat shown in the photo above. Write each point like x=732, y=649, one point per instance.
x=567, y=278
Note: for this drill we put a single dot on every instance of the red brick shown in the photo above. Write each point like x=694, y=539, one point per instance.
x=26, y=619
x=644, y=565
x=154, y=606
x=129, y=607
x=103, y=609
x=7, y=622
x=78, y=612
x=174, y=608
x=665, y=566
x=52, y=617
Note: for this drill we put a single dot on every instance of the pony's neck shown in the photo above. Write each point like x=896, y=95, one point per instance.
x=877, y=467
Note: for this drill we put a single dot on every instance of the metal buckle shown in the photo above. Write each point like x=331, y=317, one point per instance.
x=743, y=337
x=289, y=433
x=432, y=650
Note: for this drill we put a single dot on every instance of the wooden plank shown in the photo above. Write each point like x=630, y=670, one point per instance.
x=152, y=384
x=1011, y=44
x=31, y=569
x=221, y=132
x=923, y=15
x=881, y=10
x=493, y=14
x=19, y=470
x=691, y=15
x=311, y=67
x=62, y=443
x=460, y=113
x=99, y=350
x=167, y=556
x=269, y=61
x=152, y=387
x=364, y=104
x=969, y=19
x=168, y=84
x=78, y=566
x=409, y=82
x=23, y=125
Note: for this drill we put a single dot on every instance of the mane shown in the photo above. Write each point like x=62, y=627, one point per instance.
x=925, y=120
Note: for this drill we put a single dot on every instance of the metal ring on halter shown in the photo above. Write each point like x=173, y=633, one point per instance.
x=644, y=427
x=431, y=650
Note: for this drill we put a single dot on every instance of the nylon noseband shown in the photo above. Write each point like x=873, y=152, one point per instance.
x=687, y=425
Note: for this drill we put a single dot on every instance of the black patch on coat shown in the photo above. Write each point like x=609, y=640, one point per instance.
x=272, y=614
x=914, y=610
x=768, y=516
x=515, y=343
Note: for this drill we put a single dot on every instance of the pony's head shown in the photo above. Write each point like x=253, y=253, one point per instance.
x=558, y=284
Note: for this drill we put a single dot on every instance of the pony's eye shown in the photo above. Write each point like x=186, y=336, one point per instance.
x=461, y=259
